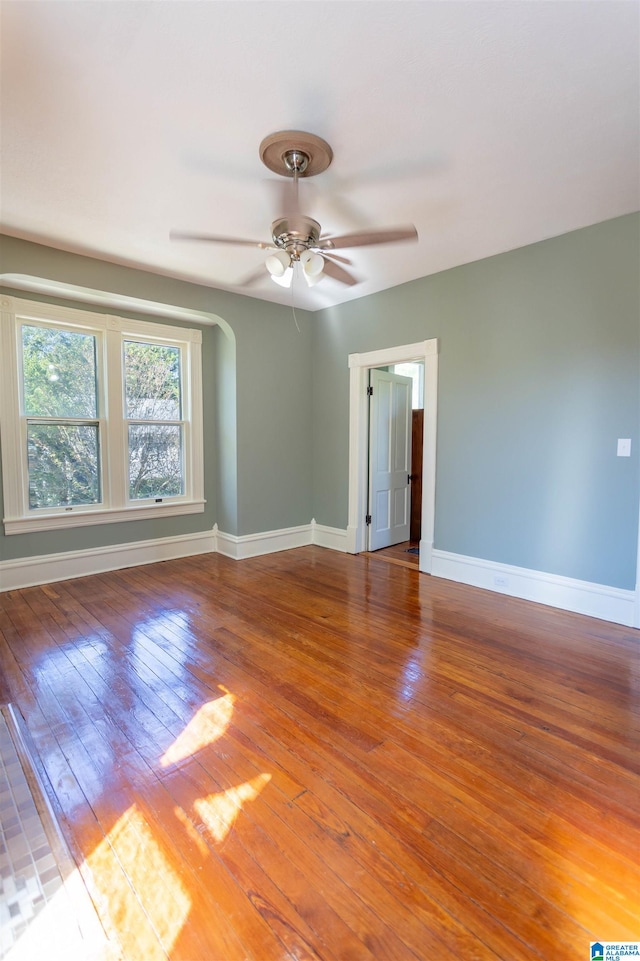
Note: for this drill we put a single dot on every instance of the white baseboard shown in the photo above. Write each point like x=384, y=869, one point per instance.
x=581, y=597
x=266, y=542
x=46, y=568
x=269, y=542
x=332, y=537
x=426, y=556
x=353, y=547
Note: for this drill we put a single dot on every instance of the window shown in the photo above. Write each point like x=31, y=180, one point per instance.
x=415, y=370
x=153, y=401
x=101, y=418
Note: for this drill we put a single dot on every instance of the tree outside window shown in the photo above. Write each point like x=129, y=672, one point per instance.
x=153, y=408
x=103, y=418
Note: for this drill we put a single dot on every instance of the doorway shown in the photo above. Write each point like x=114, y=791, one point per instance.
x=396, y=409
x=389, y=502
x=359, y=367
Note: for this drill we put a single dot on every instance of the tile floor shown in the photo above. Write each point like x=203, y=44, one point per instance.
x=38, y=917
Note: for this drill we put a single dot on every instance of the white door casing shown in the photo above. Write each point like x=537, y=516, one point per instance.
x=359, y=366
x=389, y=458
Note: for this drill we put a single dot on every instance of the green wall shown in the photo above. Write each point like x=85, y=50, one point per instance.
x=538, y=377
x=256, y=383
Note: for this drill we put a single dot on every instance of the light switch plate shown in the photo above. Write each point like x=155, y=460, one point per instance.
x=624, y=447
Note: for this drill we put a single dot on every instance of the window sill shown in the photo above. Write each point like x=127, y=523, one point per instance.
x=89, y=518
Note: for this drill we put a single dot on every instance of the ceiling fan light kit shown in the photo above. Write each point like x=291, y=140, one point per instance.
x=284, y=279
x=277, y=263
x=297, y=243
x=312, y=265
x=281, y=267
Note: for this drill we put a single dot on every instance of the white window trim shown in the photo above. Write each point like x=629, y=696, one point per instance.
x=18, y=518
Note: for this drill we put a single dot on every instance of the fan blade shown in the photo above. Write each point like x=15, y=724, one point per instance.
x=338, y=273
x=363, y=238
x=213, y=239
x=335, y=257
x=260, y=273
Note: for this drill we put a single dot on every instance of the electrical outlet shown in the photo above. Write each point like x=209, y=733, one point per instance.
x=500, y=580
x=624, y=447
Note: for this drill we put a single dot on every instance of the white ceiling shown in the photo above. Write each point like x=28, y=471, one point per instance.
x=487, y=125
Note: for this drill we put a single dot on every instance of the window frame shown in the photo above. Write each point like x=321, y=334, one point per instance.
x=418, y=383
x=111, y=332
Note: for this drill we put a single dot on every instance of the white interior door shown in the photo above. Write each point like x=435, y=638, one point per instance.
x=389, y=459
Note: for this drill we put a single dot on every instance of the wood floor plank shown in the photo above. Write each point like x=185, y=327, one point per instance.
x=128, y=840
x=393, y=817
x=287, y=878
x=333, y=875
x=316, y=756
x=323, y=802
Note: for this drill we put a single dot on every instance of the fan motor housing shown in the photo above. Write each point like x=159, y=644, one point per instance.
x=295, y=236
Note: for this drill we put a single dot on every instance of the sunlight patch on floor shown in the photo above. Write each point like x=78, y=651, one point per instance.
x=130, y=860
x=207, y=725
x=218, y=812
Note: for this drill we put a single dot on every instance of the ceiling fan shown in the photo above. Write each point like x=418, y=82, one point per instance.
x=297, y=242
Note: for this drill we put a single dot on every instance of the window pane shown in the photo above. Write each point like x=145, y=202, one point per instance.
x=59, y=373
x=152, y=381
x=64, y=466
x=155, y=460
x=416, y=372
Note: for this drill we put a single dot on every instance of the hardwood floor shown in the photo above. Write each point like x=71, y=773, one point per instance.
x=317, y=756
x=399, y=554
